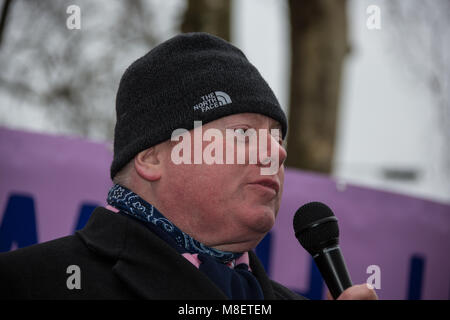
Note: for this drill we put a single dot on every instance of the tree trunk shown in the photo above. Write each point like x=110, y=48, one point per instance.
x=212, y=16
x=319, y=46
x=3, y=17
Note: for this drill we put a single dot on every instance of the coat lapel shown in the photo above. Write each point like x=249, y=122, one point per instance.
x=146, y=264
x=260, y=274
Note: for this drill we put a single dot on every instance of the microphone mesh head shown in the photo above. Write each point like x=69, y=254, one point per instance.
x=313, y=230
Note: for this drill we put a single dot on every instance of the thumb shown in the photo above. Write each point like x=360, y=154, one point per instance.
x=328, y=295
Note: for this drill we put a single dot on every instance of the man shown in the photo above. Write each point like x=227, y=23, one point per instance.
x=181, y=220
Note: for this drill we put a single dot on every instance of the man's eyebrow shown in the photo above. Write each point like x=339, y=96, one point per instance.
x=252, y=122
x=276, y=126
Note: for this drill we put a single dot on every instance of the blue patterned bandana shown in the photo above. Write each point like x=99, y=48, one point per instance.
x=130, y=203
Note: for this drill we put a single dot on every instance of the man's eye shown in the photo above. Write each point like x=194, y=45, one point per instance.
x=278, y=137
x=245, y=131
x=244, y=134
x=240, y=130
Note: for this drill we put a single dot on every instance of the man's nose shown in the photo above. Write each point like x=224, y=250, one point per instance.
x=282, y=153
x=273, y=145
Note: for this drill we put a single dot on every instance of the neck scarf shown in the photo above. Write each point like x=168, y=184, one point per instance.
x=131, y=204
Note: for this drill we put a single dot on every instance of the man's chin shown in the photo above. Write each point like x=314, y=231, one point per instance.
x=261, y=220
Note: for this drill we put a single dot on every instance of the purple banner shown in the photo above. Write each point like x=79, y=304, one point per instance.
x=407, y=238
x=49, y=185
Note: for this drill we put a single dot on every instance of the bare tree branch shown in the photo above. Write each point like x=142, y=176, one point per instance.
x=72, y=75
x=421, y=33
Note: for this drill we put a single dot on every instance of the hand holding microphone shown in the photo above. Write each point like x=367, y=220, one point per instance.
x=317, y=231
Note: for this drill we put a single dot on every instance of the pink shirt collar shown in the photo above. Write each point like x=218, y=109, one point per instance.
x=193, y=258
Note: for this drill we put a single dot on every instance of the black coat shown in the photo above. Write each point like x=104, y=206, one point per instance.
x=119, y=258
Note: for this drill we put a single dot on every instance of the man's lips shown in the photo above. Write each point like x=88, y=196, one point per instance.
x=269, y=183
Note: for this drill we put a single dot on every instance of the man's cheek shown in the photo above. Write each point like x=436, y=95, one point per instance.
x=281, y=176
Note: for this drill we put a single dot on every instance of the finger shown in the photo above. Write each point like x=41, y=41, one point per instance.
x=359, y=292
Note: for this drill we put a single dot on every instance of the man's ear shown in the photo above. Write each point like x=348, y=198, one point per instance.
x=148, y=164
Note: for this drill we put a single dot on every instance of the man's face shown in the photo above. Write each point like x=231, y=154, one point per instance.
x=225, y=206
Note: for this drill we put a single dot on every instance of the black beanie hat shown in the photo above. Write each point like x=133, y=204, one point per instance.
x=192, y=76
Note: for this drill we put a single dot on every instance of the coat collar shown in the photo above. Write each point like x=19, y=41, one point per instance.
x=150, y=267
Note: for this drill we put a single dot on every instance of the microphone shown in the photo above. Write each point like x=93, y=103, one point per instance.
x=316, y=229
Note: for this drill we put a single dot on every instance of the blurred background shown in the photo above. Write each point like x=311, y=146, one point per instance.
x=365, y=84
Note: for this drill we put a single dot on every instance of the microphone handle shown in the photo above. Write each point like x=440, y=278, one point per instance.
x=331, y=265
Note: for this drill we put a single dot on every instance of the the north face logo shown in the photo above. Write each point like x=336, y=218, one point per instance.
x=213, y=100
